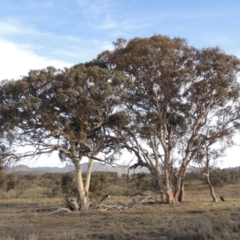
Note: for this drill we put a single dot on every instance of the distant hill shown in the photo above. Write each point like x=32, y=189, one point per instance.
x=97, y=167
x=232, y=169
x=26, y=169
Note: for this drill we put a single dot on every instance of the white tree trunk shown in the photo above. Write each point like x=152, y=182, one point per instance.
x=165, y=187
x=211, y=188
x=83, y=187
x=84, y=201
x=179, y=188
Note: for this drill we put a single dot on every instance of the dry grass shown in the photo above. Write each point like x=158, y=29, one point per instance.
x=189, y=220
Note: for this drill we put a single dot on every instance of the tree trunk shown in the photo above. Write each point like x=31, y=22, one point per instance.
x=169, y=195
x=211, y=188
x=89, y=174
x=167, y=176
x=83, y=188
x=180, y=191
x=84, y=200
x=207, y=175
x=165, y=187
x=160, y=184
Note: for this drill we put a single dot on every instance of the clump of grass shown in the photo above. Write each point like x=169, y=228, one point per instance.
x=4, y=196
x=209, y=228
x=16, y=229
x=196, y=211
x=190, y=220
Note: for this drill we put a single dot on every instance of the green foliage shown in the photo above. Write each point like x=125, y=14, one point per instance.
x=2, y=179
x=2, y=174
x=154, y=91
x=176, y=90
x=119, y=119
x=12, y=180
x=140, y=182
x=70, y=106
x=30, y=177
x=219, y=178
x=99, y=183
x=56, y=191
x=234, y=176
x=191, y=176
x=67, y=184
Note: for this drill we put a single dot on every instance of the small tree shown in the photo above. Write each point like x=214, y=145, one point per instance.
x=206, y=158
x=67, y=184
x=2, y=176
x=6, y=154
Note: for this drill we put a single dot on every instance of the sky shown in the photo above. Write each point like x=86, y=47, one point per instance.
x=35, y=34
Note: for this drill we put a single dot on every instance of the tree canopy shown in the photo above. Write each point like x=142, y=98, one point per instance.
x=181, y=97
x=158, y=97
x=70, y=111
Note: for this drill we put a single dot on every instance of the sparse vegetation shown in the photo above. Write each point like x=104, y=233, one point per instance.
x=165, y=102
x=196, y=218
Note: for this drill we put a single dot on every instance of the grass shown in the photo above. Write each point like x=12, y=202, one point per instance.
x=191, y=220
x=183, y=221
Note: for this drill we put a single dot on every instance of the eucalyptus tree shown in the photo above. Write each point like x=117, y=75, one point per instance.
x=212, y=145
x=205, y=159
x=71, y=111
x=177, y=91
x=6, y=149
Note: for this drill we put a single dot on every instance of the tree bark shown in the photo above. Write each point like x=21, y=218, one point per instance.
x=165, y=187
x=83, y=188
x=169, y=195
x=181, y=191
x=84, y=200
x=211, y=188
x=168, y=183
x=89, y=173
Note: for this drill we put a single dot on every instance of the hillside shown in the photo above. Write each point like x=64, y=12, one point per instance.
x=97, y=167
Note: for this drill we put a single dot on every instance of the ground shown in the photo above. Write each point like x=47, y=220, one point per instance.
x=193, y=219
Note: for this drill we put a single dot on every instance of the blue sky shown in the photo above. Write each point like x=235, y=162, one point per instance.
x=35, y=34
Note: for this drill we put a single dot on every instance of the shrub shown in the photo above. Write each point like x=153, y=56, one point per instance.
x=66, y=184
x=219, y=178
x=99, y=182
x=56, y=191
x=142, y=182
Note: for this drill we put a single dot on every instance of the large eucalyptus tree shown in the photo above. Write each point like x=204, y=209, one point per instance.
x=71, y=111
x=177, y=91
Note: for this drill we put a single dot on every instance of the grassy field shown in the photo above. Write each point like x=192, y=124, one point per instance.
x=194, y=219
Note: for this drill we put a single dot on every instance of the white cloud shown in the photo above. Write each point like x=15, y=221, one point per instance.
x=96, y=8
x=237, y=53
x=45, y=160
x=13, y=26
x=108, y=24
x=6, y=28
x=106, y=46
x=17, y=60
x=67, y=53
